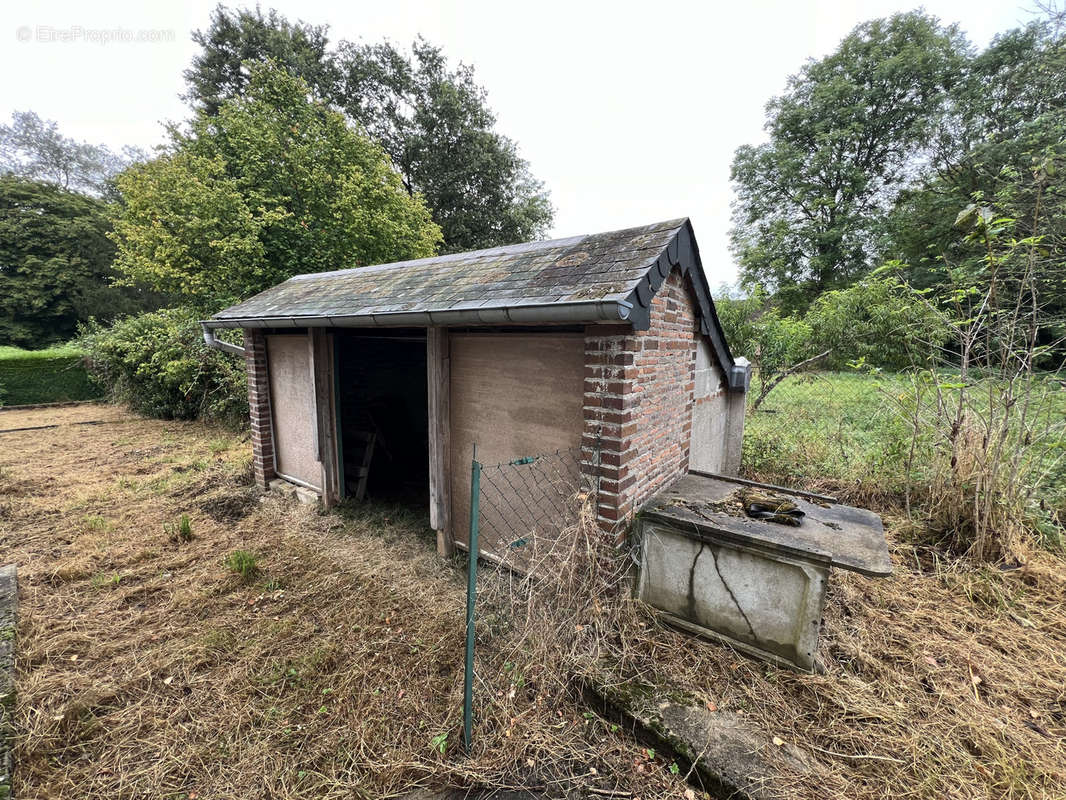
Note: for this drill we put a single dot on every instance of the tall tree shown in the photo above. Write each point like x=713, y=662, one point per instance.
x=1004, y=145
x=33, y=148
x=55, y=264
x=844, y=139
x=433, y=120
x=436, y=125
x=274, y=185
x=221, y=71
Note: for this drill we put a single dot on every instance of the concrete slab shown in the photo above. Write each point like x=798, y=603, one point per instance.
x=850, y=538
x=301, y=493
x=8, y=622
x=758, y=585
x=729, y=756
x=283, y=486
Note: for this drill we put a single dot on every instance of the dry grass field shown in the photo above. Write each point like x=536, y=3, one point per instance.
x=148, y=666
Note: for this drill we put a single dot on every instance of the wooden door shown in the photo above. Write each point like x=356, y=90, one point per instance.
x=292, y=406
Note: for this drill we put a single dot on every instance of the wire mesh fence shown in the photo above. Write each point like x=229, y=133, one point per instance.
x=544, y=561
x=527, y=502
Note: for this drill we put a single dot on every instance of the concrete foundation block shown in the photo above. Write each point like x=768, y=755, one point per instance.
x=729, y=756
x=283, y=486
x=764, y=603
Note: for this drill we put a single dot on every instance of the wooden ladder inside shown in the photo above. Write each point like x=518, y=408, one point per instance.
x=366, y=441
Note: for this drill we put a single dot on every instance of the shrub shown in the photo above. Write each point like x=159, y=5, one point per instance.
x=756, y=329
x=989, y=438
x=44, y=376
x=158, y=364
x=879, y=321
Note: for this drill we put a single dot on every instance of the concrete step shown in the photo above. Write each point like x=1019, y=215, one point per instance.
x=301, y=493
x=731, y=757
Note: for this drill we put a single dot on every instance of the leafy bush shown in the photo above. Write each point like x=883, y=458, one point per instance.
x=879, y=321
x=44, y=376
x=158, y=364
x=756, y=329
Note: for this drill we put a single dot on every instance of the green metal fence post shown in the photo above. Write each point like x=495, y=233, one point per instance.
x=471, y=595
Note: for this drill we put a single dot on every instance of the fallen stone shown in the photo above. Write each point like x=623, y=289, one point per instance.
x=8, y=620
x=307, y=496
x=283, y=486
x=729, y=756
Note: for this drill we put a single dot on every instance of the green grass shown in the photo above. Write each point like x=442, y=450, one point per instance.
x=180, y=531
x=44, y=376
x=848, y=426
x=832, y=425
x=243, y=563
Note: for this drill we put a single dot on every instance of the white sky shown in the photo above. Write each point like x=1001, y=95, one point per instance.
x=628, y=111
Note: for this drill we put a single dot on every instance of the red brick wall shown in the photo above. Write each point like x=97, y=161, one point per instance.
x=639, y=392
x=255, y=361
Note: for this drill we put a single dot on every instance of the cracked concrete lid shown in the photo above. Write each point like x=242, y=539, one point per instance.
x=839, y=535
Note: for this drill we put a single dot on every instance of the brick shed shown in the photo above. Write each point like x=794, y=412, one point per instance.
x=379, y=380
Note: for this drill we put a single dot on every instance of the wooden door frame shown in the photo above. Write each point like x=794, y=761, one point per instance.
x=321, y=346
x=438, y=384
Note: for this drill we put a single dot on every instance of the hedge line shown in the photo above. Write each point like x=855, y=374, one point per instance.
x=44, y=376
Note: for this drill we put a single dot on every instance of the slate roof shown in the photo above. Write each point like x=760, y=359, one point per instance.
x=593, y=278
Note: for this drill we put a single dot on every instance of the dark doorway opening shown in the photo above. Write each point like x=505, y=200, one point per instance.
x=382, y=415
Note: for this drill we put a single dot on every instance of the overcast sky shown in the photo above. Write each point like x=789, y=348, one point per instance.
x=628, y=111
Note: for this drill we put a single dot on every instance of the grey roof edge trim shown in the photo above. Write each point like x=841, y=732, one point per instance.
x=684, y=253
x=567, y=312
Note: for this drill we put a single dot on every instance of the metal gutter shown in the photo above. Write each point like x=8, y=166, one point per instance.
x=218, y=344
x=582, y=311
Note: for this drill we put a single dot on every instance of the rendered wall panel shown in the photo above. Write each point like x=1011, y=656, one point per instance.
x=515, y=395
x=292, y=402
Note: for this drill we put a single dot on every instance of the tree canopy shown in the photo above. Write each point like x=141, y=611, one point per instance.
x=876, y=149
x=1003, y=146
x=843, y=138
x=274, y=185
x=236, y=39
x=433, y=120
x=55, y=263
x=436, y=125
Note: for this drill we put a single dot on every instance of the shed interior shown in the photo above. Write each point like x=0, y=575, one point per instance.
x=382, y=414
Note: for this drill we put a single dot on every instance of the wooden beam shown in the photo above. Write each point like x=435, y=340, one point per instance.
x=325, y=412
x=438, y=373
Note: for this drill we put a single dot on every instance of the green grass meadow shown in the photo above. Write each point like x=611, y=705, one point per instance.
x=832, y=425
x=857, y=427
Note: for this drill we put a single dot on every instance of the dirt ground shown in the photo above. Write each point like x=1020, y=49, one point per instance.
x=148, y=668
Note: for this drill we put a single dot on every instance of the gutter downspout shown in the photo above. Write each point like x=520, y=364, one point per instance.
x=218, y=344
